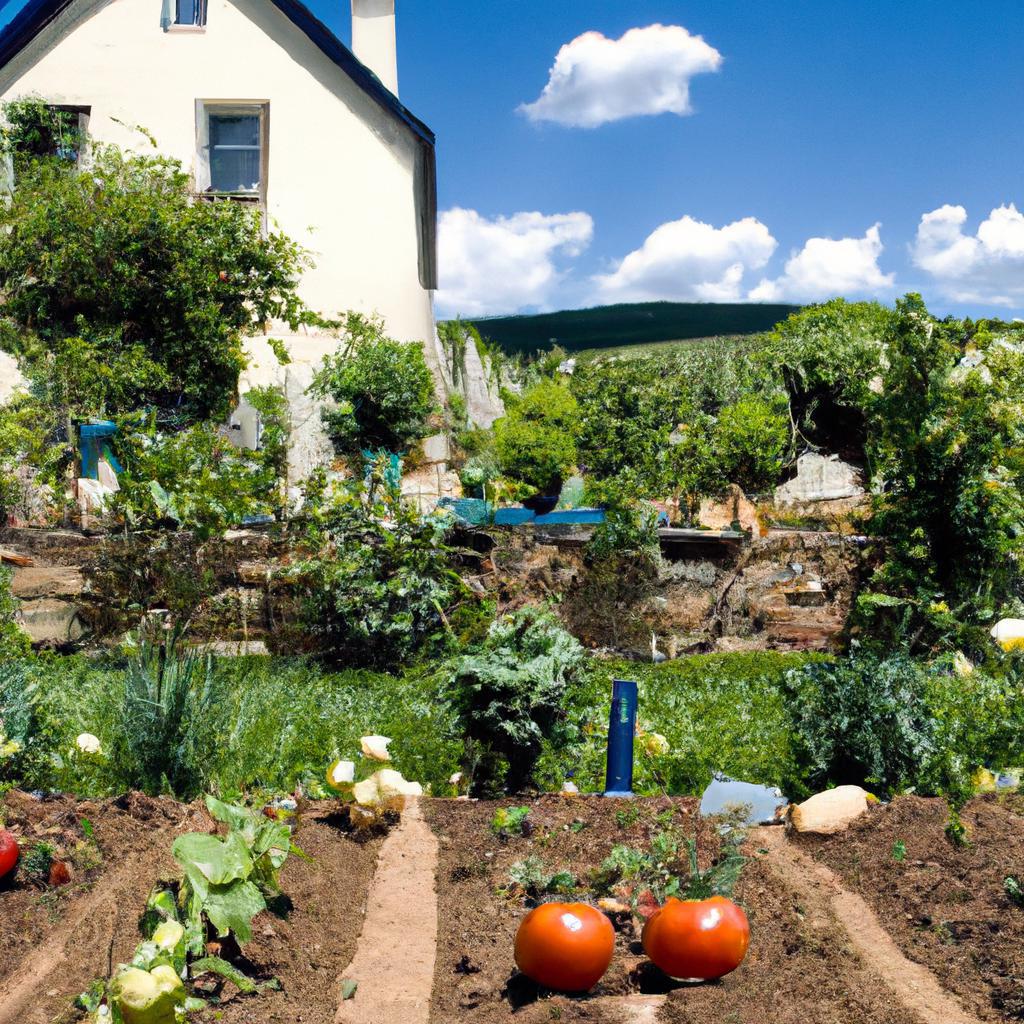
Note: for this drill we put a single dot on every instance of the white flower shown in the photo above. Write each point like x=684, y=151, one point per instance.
x=455, y=779
x=88, y=744
x=376, y=747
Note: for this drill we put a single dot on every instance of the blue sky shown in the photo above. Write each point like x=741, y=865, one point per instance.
x=892, y=133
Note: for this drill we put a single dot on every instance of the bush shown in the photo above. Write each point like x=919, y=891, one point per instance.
x=13, y=640
x=383, y=390
x=863, y=721
x=195, y=479
x=380, y=578
x=751, y=440
x=536, y=440
x=510, y=697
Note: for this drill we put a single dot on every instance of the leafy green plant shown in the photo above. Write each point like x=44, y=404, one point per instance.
x=379, y=580
x=382, y=389
x=13, y=640
x=750, y=441
x=1014, y=891
x=955, y=829
x=533, y=878
x=159, y=684
x=509, y=696
x=862, y=720
x=899, y=851
x=510, y=821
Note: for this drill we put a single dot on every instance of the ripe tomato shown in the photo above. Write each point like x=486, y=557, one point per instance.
x=697, y=940
x=567, y=946
x=9, y=853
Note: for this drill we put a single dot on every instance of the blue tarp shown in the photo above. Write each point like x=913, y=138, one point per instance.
x=94, y=444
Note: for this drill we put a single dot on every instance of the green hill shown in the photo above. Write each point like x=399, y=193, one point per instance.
x=629, y=324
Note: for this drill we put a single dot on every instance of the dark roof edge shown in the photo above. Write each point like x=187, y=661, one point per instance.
x=37, y=14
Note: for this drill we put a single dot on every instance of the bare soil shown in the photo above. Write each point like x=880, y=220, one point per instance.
x=56, y=940
x=800, y=967
x=944, y=905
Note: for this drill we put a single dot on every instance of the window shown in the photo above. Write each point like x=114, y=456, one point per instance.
x=183, y=14
x=232, y=143
x=190, y=12
x=36, y=129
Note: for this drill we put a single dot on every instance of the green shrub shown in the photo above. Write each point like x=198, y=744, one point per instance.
x=383, y=390
x=510, y=698
x=195, y=479
x=378, y=582
x=751, y=440
x=863, y=721
x=536, y=440
x=13, y=640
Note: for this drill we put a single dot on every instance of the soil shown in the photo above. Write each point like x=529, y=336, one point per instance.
x=56, y=940
x=308, y=948
x=800, y=967
x=945, y=906
x=61, y=939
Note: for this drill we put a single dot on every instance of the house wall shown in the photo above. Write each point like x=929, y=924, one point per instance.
x=341, y=172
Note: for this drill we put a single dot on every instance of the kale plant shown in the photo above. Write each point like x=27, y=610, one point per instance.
x=511, y=695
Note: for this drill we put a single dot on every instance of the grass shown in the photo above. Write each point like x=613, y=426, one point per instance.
x=267, y=722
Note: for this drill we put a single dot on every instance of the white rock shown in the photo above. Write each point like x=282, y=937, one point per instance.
x=819, y=478
x=88, y=744
x=343, y=772
x=376, y=747
x=830, y=811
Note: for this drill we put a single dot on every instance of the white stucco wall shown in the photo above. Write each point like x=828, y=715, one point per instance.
x=341, y=171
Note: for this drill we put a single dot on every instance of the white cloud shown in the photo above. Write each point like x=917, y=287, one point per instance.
x=987, y=266
x=826, y=267
x=687, y=259
x=595, y=80
x=506, y=264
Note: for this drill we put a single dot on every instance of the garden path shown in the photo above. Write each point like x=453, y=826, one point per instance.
x=825, y=896
x=394, y=962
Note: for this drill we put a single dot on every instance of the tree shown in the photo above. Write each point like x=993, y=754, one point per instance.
x=120, y=290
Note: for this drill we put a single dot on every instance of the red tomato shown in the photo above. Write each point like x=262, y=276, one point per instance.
x=567, y=946
x=697, y=940
x=9, y=853
x=60, y=873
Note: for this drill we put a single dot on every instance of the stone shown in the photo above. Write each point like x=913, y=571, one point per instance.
x=48, y=621
x=106, y=476
x=234, y=648
x=435, y=448
x=11, y=379
x=819, y=478
x=830, y=811
x=47, y=581
x=735, y=507
x=480, y=390
x=427, y=486
x=91, y=495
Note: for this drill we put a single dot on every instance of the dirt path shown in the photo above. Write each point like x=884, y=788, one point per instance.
x=915, y=986
x=394, y=961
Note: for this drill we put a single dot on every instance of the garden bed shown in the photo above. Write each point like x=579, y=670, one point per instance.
x=799, y=967
x=945, y=905
x=59, y=939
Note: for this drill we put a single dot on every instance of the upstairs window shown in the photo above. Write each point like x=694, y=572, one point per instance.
x=190, y=12
x=183, y=14
x=232, y=150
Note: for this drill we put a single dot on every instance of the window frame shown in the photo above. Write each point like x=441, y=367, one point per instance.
x=202, y=176
x=170, y=25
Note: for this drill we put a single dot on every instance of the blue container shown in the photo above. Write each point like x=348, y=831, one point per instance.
x=94, y=444
x=621, y=730
x=572, y=517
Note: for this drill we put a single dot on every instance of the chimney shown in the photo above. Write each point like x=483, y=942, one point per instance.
x=373, y=39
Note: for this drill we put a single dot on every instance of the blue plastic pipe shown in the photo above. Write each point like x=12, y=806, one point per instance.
x=621, y=729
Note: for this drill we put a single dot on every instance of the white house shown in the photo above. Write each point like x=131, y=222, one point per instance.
x=264, y=104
